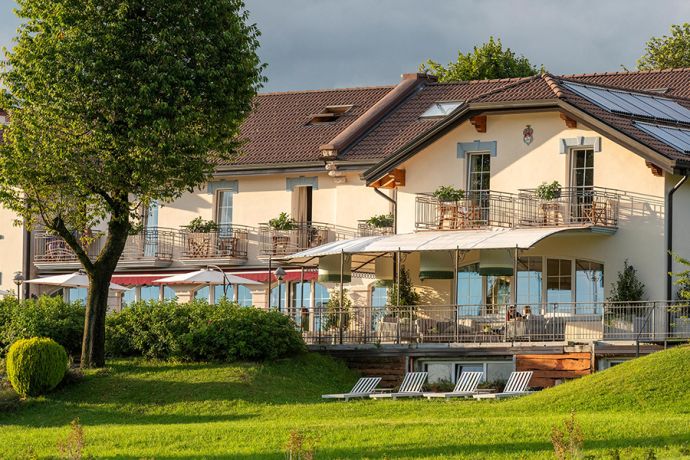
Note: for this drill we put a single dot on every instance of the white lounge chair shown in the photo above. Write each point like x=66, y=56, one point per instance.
x=362, y=389
x=465, y=388
x=411, y=387
x=516, y=386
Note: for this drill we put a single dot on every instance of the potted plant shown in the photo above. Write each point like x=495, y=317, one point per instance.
x=448, y=194
x=549, y=192
x=282, y=222
x=383, y=223
x=200, y=234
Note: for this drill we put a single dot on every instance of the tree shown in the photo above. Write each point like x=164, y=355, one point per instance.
x=628, y=287
x=113, y=105
x=667, y=52
x=485, y=62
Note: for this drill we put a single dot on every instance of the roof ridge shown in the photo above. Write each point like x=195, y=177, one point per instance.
x=521, y=81
x=629, y=90
x=626, y=72
x=550, y=80
x=325, y=90
x=479, y=82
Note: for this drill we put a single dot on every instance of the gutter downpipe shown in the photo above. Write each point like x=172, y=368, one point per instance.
x=394, y=202
x=669, y=241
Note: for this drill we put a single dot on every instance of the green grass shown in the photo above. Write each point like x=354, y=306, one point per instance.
x=139, y=409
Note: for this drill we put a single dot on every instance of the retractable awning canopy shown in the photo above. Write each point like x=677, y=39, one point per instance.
x=464, y=240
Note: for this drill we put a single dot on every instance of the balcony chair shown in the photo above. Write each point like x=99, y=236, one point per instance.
x=465, y=388
x=517, y=385
x=411, y=387
x=362, y=389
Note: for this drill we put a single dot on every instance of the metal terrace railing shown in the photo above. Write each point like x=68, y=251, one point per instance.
x=576, y=322
x=228, y=242
x=149, y=245
x=50, y=249
x=302, y=235
x=573, y=207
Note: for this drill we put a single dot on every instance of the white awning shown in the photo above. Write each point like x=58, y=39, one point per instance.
x=464, y=240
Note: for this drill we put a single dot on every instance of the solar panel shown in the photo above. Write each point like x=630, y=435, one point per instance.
x=629, y=103
x=678, y=138
x=441, y=109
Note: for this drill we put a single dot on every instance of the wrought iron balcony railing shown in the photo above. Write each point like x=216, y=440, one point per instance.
x=572, y=207
x=228, y=242
x=302, y=235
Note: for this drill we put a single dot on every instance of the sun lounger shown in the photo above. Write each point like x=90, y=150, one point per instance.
x=516, y=386
x=411, y=387
x=362, y=389
x=465, y=388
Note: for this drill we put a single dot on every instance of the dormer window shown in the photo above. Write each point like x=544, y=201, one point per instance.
x=329, y=114
x=441, y=109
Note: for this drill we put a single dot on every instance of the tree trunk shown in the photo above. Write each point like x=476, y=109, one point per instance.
x=93, y=342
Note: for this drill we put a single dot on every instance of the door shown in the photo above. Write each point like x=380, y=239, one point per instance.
x=149, y=237
x=302, y=214
x=478, y=186
x=582, y=182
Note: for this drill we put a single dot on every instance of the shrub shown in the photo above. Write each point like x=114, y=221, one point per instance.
x=197, y=331
x=448, y=193
x=36, y=366
x=46, y=316
x=628, y=287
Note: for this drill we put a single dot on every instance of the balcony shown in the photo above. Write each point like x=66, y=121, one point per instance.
x=150, y=247
x=302, y=235
x=592, y=207
x=226, y=246
x=52, y=252
x=446, y=324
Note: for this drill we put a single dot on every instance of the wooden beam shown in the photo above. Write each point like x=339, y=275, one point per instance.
x=569, y=122
x=656, y=170
x=393, y=179
x=479, y=123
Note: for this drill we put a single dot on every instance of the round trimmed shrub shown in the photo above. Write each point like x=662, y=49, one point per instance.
x=35, y=366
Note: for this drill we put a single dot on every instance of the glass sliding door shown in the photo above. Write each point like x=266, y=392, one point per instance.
x=559, y=285
x=529, y=284
x=469, y=291
x=479, y=184
x=589, y=287
x=582, y=182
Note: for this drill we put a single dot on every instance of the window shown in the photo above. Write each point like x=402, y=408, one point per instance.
x=440, y=109
x=224, y=209
x=582, y=180
x=497, y=293
x=299, y=303
x=379, y=301
x=330, y=114
x=244, y=296
x=559, y=283
x=529, y=281
x=302, y=203
x=321, y=298
x=589, y=286
x=278, y=297
x=78, y=294
x=469, y=290
x=479, y=183
x=149, y=293
x=128, y=297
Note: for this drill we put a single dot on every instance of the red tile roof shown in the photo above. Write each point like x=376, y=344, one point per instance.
x=278, y=130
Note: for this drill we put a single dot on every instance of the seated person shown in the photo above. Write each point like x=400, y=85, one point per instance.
x=513, y=313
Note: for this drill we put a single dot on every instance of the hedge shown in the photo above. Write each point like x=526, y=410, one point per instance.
x=46, y=316
x=197, y=331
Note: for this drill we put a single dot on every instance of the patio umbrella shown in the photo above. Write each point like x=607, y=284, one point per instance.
x=205, y=276
x=72, y=280
x=4, y=292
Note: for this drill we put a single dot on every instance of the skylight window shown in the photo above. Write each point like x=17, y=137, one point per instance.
x=330, y=114
x=629, y=103
x=677, y=138
x=441, y=109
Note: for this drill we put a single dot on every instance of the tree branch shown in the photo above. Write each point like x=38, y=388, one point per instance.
x=58, y=225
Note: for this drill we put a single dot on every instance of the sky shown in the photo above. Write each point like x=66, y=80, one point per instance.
x=314, y=44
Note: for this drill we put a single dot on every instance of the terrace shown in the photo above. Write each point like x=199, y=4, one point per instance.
x=594, y=207
x=477, y=324
x=300, y=236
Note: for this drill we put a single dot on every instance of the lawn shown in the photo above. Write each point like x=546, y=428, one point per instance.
x=140, y=409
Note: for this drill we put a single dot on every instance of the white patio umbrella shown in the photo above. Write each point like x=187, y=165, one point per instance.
x=2, y=292
x=206, y=277
x=72, y=280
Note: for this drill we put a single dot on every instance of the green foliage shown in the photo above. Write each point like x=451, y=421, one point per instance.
x=682, y=278
x=627, y=288
x=408, y=295
x=197, y=331
x=549, y=191
x=199, y=225
x=447, y=193
x=46, y=316
x=282, y=222
x=668, y=51
x=36, y=366
x=487, y=61
x=114, y=105
x=381, y=221
x=337, y=317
